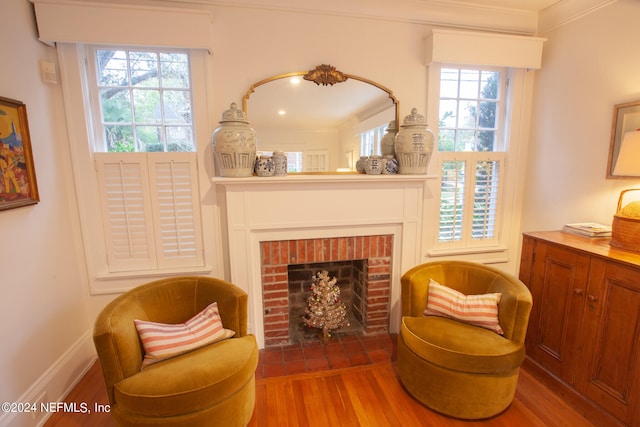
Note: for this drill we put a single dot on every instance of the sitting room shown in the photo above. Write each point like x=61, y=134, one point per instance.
x=324, y=172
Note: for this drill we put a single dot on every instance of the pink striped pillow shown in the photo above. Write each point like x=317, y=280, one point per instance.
x=479, y=310
x=162, y=341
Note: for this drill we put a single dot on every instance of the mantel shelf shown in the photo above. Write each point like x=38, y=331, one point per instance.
x=320, y=178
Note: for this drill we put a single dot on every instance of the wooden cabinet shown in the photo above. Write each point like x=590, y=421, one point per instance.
x=585, y=321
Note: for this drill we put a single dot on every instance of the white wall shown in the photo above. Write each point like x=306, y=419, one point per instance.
x=43, y=292
x=390, y=53
x=588, y=66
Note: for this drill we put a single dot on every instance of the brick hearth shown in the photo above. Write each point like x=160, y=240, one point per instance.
x=277, y=255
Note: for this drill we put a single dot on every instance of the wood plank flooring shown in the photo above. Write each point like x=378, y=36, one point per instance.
x=366, y=395
x=371, y=395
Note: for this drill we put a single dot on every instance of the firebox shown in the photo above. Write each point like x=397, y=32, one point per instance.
x=362, y=265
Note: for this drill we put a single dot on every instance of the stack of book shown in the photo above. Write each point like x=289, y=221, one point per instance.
x=588, y=229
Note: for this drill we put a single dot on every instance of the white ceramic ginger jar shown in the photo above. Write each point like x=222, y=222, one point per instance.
x=279, y=163
x=234, y=144
x=414, y=145
x=373, y=165
x=387, y=143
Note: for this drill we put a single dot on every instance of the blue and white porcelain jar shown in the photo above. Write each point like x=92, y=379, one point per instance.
x=414, y=145
x=234, y=144
x=264, y=166
x=279, y=163
x=373, y=165
x=388, y=141
x=389, y=165
x=360, y=164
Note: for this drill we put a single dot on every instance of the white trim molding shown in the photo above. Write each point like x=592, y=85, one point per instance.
x=54, y=384
x=489, y=49
x=103, y=23
x=563, y=12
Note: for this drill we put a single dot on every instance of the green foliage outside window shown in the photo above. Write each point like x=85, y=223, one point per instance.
x=145, y=100
x=468, y=122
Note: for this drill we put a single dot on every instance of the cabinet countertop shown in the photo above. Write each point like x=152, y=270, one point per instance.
x=593, y=245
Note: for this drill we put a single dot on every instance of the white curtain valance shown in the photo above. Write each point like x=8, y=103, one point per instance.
x=101, y=23
x=478, y=48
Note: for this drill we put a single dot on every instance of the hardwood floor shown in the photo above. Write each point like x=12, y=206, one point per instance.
x=368, y=394
x=371, y=395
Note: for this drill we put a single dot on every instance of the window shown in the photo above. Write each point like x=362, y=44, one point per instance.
x=144, y=101
x=145, y=159
x=472, y=153
x=370, y=140
x=137, y=162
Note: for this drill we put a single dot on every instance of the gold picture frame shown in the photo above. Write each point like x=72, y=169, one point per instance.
x=18, y=185
x=626, y=117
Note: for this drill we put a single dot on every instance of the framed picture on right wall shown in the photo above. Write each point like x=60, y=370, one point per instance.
x=624, y=149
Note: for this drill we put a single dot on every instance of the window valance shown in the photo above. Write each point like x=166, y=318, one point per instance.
x=479, y=48
x=102, y=23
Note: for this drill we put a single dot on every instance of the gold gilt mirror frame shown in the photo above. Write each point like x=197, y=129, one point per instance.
x=323, y=75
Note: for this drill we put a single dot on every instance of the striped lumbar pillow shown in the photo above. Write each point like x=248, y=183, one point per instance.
x=162, y=341
x=479, y=310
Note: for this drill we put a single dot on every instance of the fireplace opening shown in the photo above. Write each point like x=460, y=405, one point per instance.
x=349, y=278
x=361, y=265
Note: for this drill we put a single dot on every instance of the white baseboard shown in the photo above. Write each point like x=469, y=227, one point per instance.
x=54, y=385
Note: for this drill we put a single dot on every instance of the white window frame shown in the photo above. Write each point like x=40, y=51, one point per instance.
x=371, y=139
x=522, y=56
x=96, y=108
x=103, y=277
x=464, y=228
x=518, y=91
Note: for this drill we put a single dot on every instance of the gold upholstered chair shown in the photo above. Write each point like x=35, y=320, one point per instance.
x=457, y=366
x=211, y=385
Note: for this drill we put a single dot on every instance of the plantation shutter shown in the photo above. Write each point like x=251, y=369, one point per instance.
x=315, y=161
x=176, y=208
x=470, y=196
x=150, y=211
x=485, y=199
x=452, y=200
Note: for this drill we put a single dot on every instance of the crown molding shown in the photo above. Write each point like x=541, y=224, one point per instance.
x=566, y=11
x=460, y=14
x=433, y=12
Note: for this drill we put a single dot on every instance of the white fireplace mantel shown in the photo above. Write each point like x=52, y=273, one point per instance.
x=344, y=178
x=292, y=207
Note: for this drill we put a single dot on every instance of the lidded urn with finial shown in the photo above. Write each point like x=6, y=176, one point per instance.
x=414, y=145
x=234, y=144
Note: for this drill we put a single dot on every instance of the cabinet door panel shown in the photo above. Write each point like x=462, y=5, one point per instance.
x=611, y=334
x=558, y=286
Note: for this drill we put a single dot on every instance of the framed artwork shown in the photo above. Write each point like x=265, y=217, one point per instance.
x=624, y=129
x=18, y=186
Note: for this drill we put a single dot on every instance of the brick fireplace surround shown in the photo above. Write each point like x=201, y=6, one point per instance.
x=277, y=255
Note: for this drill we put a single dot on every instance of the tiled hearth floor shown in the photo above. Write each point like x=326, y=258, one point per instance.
x=337, y=352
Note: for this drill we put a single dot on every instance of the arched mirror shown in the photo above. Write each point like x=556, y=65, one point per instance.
x=321, y=118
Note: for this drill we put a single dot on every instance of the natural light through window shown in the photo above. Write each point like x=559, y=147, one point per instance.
x=145, y=100
x=370, y=140
x=472, y=155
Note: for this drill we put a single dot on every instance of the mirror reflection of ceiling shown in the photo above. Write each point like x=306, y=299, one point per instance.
x=307, y=105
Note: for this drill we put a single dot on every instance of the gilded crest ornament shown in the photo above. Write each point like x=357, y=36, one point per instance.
x=325, y=75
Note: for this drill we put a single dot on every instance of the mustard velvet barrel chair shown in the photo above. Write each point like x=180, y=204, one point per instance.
x=455, y=368
x=213, y=385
